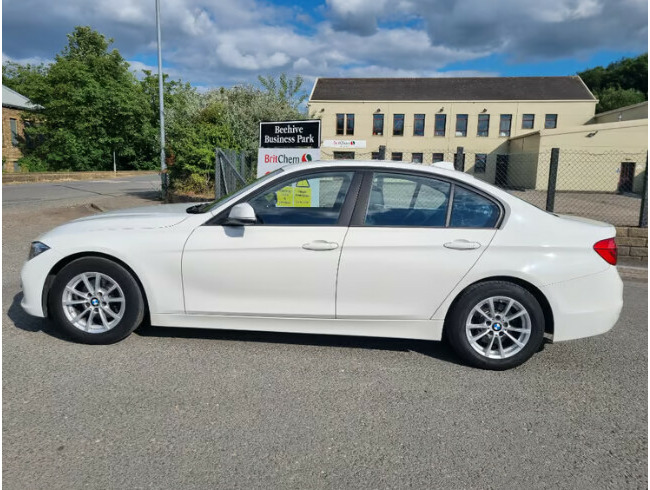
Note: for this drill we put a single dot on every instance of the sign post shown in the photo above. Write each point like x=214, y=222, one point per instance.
x=287, y=142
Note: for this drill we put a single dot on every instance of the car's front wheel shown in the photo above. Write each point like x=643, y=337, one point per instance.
x=495, y=325
x=96, y=301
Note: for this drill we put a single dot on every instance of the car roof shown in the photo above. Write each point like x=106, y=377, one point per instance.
x=388, y=165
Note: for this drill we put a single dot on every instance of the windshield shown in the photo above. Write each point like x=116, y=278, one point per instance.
x=209, y=206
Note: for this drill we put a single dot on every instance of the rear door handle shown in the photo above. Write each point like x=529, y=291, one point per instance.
x=462, y=245
x=320, y=245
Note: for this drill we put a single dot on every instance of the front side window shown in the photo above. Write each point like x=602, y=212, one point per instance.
x=480, y=163
x=483, y=125
x=471, y=210
x=378, y=124
x=307, y=200
x=440, y=125
x=528, y=121
x=505, y=124
x=407, y=200
x=461, y=125
x=418, y=125
x=398, y=125
x=417, y=157
x=349, y=128
x=340, y=123
x=550, y=121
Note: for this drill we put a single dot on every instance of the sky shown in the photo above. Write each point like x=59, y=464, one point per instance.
x=213, y=43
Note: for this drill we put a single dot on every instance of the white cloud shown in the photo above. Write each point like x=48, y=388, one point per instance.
x=210, y=42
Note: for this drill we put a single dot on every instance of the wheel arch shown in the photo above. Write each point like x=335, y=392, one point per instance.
x=71, y=258
x=549, y=322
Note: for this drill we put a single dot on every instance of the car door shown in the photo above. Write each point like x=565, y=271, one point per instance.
x=412, y=238
x=286, y=263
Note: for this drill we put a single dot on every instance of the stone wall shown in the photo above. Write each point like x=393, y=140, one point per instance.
x=632, y=243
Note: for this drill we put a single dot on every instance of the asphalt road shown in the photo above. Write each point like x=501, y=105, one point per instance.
x=174, y=408
x=70, y=192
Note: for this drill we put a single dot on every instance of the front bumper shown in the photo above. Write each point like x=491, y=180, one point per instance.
x=586, y=306
x=32, y=278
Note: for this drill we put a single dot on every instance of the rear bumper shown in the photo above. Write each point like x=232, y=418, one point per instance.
x=586, y=306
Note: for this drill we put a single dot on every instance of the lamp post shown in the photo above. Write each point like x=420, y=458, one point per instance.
x=163, y=165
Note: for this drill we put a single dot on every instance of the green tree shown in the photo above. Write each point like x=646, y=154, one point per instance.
x=92, y=105
x=28, y=80
x=621, y=83
x=613, y=98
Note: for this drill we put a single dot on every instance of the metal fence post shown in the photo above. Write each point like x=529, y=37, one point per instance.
x=643, y=213
x=552, y=179
x=217, y=175
x=459, y=160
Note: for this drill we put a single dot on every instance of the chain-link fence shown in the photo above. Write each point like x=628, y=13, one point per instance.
x=606, y=186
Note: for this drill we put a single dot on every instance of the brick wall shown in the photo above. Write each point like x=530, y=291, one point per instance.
x=632, y=243
x=10, y=153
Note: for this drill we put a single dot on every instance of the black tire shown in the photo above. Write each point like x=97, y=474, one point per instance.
x=455, y=325
x=134, y=307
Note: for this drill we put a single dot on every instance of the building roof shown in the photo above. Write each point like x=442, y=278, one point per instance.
x=11, y=98
x=622, y=109
x=444, y=89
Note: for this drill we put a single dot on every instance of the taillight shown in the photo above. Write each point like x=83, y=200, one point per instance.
x=607, y=250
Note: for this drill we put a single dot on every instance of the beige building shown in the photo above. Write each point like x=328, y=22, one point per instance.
x=13, y=128
x=628, y=113
x=506, y=126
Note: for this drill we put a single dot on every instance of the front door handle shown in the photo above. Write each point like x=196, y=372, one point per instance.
x=320, y=245
x=462, y=245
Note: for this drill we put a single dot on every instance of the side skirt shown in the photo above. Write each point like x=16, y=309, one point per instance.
x=403, y=329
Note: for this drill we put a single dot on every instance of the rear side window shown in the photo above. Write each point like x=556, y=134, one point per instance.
x=471, y=210
x=405, y=200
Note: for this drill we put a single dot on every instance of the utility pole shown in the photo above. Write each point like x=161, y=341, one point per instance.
x=163, y=165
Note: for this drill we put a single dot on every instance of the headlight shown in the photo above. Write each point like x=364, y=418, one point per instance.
x=37, y=248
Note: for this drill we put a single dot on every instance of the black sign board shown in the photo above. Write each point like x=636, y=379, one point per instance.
x=290, y=134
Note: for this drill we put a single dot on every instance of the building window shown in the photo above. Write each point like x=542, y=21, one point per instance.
x=343, y=155
x=480, y=162
x=396, y=157
x=461, y=125
x=505, y=124
x=550, y=122
x=418, y=125
x=438, y=157
x=528, y=121
x=14, y=132
x=340, y=123
x=349, y=129
x=398, y=125
x=378, y=124
x=417, y=157
x=375, y=155
x=483, y=125
x=441, y=123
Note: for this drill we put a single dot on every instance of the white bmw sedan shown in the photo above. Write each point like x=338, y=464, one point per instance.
x=356, y=248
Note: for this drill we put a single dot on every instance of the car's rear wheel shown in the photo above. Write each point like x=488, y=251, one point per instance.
x=96, y=301
x=495, y=325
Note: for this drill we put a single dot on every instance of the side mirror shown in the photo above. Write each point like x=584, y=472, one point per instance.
x=241, y=214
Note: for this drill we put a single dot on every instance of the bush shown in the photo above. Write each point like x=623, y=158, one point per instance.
x=31, y=163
